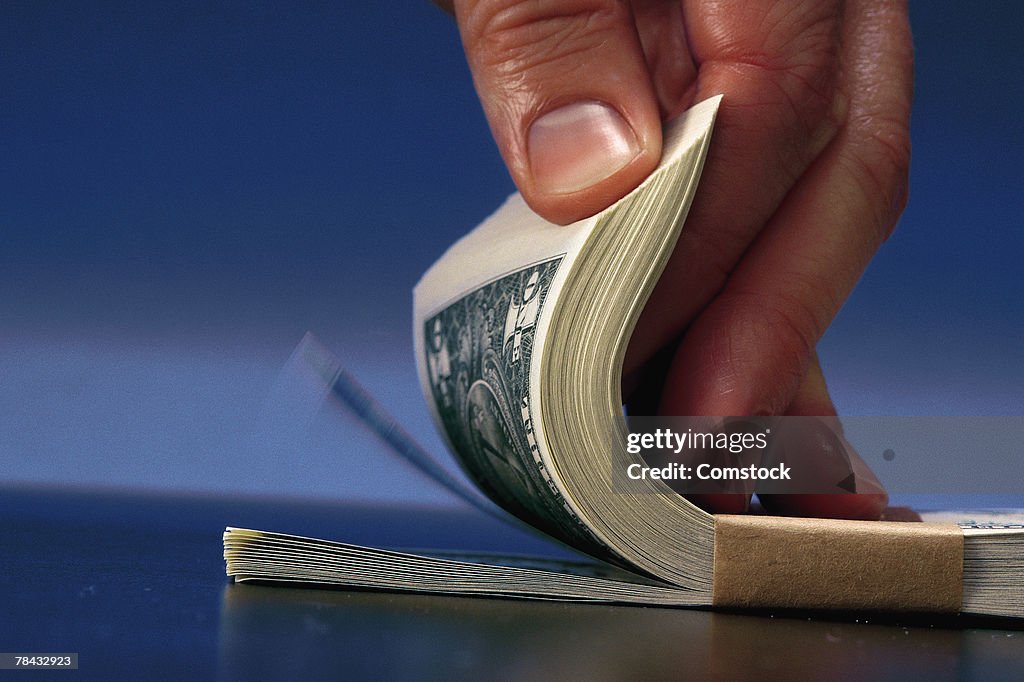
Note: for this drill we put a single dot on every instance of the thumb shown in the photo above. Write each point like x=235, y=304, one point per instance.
x=568, y=96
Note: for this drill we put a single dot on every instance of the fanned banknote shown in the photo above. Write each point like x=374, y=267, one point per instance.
x=520, y=332
x=479, y=349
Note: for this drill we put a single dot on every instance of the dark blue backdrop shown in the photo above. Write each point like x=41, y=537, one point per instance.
x=185, y=190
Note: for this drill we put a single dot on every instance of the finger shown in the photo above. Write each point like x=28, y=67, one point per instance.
x=818, y=459
x=565, y=88
x=748, y=351
x=778, y=66
x=659, y=24
x=831, y=459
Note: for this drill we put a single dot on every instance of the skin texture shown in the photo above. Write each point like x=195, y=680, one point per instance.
x=805, y=178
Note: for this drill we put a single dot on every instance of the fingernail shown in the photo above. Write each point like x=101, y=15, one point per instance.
x=867, y=481
x=579, y=145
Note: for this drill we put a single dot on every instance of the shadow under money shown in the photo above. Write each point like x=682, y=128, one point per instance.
x=273, y=631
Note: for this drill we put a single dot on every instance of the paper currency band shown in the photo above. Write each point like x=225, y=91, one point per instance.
x=819, y=563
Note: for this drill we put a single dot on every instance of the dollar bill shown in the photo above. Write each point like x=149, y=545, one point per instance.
x=980, y=522
x=479, y=352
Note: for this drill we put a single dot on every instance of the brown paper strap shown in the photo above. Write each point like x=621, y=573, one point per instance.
x=819, y=563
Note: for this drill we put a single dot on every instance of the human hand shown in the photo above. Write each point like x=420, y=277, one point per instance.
x=805, y=178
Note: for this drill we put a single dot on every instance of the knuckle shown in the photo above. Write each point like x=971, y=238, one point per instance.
x=792, y=50
x=791, y=325
x=882, y=162
x=785, y=90
x=765, y=340
x=511, y=38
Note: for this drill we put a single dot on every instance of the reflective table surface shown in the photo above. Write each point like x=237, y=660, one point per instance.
x=134, y=583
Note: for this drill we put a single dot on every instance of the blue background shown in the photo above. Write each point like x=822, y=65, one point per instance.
x=186, y=190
